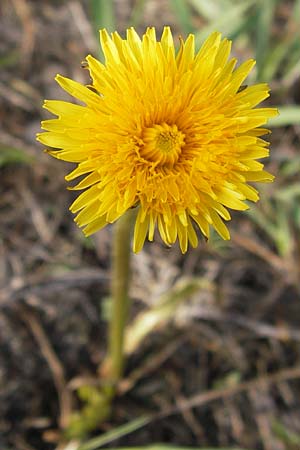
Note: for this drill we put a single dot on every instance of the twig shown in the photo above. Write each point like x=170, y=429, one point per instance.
x=38, y=217
x=282, y=333
x=23, y=10
x=260, y=250
x=199, y=400
x=15, y=98
x=188, y=414
x=259, y=401
x=57, y=370
x=83, y=25
x=74, y=278
x=8, y=140
x=151, y=363
x=220, y=394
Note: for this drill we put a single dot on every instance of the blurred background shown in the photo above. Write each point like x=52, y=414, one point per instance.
x=225, y=358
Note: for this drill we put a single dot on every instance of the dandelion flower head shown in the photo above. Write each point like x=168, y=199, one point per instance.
x=171, y=133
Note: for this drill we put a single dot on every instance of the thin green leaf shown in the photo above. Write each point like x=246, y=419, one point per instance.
x=172, y=447
x=285, y=434
x=292, y=66
x=297, y=216
x=290, y=167
x=274, y=218
x=10, y=155
x=288, y=115
x=228, y=22
x=123, y=430
x=274, y=61
x=283, y=239
x=242, y=35
x=262, y=220
x=296, y=11
x=9, y=59
x=103, y=15
x=266, y=11
x=283, y=56
x=183, y=15
x=211, y=10
x=287, y=194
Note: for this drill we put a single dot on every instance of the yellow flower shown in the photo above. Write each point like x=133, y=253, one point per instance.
x=171, y=134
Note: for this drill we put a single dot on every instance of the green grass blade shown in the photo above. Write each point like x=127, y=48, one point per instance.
x=292, y=66
x=273, y=61
x=297, y=216
x=290, y=167
x=285, y=434
x=228, y=22
x=103, y=15
x=289, y=193
x=262, y=220
x=265, y=18
x=288, y=115
x=172, y=447
x=11, y=156
x=183, y=15
x=211, y=10
x=296, y=11
x=9, y=59
x=123, y=430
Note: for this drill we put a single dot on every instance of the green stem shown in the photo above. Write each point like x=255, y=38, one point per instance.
x=120, y=295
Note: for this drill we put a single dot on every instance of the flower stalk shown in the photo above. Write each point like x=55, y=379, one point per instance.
x=120, y=296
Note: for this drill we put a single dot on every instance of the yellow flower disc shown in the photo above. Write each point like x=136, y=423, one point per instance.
x=171, y=134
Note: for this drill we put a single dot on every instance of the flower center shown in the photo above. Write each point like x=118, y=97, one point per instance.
x=162, y=144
